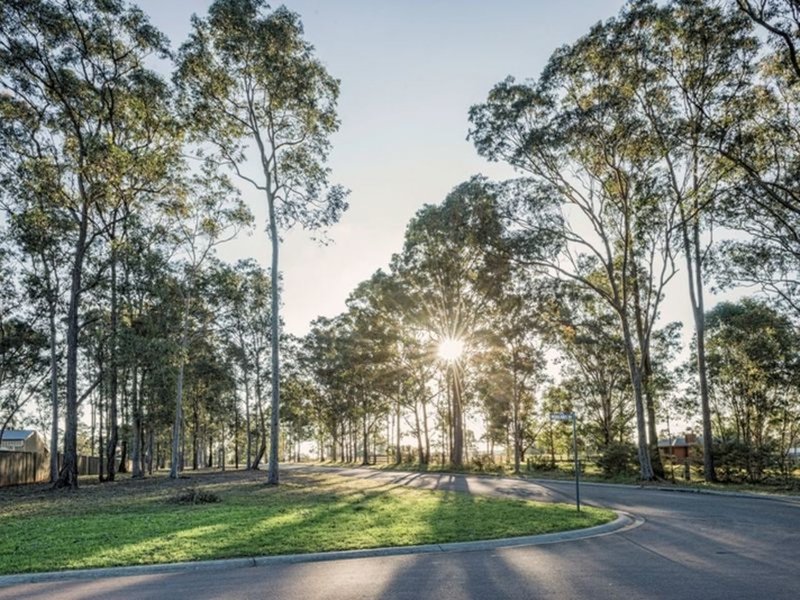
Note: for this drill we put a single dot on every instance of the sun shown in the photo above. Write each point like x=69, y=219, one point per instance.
x=450, y=349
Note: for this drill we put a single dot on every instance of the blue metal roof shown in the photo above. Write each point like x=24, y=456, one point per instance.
x=22, y=434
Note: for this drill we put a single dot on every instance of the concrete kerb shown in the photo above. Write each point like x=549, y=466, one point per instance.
x=623, y=522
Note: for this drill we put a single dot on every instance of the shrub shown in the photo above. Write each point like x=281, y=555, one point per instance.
x=618, y=459
x=485, y=464
x=196, y=495
x=540, y=462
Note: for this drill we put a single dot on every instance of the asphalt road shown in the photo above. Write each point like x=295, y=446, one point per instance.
x=690, y=546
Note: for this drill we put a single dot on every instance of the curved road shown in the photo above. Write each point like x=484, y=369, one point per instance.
x=690, y=546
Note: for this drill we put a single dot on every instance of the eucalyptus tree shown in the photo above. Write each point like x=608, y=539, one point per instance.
x=689, y=63
x=586, y=333
x=369, y=351
x=753, y=360
x=149, y=311
x=154, y=337
x=210, y=386
x=415, y=357
x=250, y=80
x=405, y=353
x=246, y=319
x=451, y=270
x=323, y=358
x=781, y=20
x=40, y=233
x=593, y=210
x=73, y=77
x=41, y=236
x=245, y=313
x=22, y=364
x=300, y=394
x=764, y=148
x=511, y=365
x=209, y=214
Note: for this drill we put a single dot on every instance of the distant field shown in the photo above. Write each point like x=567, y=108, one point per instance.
x=138, y=522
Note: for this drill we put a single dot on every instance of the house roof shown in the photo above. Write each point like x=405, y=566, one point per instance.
x=18, y=434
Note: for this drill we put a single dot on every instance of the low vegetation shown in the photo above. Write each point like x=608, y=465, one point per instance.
x=134, y=522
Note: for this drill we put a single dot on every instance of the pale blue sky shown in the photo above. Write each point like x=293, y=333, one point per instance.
x=409, y=72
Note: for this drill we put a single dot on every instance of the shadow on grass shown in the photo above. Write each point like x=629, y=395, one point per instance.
x=310, y=512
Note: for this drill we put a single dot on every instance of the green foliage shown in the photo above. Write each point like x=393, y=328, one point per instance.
x=196, y=495
x=618, y=458
x=248, y=78
x=753, y=358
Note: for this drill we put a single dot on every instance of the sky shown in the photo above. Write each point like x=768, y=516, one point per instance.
x=409, y=72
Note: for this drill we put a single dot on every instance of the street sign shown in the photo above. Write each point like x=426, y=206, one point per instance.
x=562, y=416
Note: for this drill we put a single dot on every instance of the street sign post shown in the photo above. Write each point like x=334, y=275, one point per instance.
x=562, y=416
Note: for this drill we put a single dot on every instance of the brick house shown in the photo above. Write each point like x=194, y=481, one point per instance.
x=680, y=447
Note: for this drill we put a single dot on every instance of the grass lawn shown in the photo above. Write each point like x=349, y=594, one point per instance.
x=138, y=522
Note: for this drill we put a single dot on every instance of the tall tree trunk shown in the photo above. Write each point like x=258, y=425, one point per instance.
x=249, y=438
x=646, y=372
x=68, y=477
x=426, y=432
x=195, y=437
x=398, y=448
x=125, y=441
x=136, y=453
x=457, y=458
x=447, y=426
x=516, y=400
x=262, y=449
x=51, y=309
x=365, y=441
x=694, y=267
x=652, y=434
x=101, y=468
x=418, y=432
x=177, y=424
x=236, y=436
x=645, y=467
x=113, y=420
x=123, y=456
x=150, y=449
x=182, y=455
x=273, y=475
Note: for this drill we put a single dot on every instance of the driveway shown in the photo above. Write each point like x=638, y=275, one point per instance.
x=690, y=546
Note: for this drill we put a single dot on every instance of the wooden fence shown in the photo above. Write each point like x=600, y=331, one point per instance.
x=17, y=468
x=87, y=465
x=23, y=467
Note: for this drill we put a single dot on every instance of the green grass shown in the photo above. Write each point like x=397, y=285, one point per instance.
x=137, y=522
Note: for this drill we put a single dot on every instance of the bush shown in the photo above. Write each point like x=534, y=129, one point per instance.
x=618, y=459
x=540, y=462
x=736, y=462
x=485, y=464
x=196, y=495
